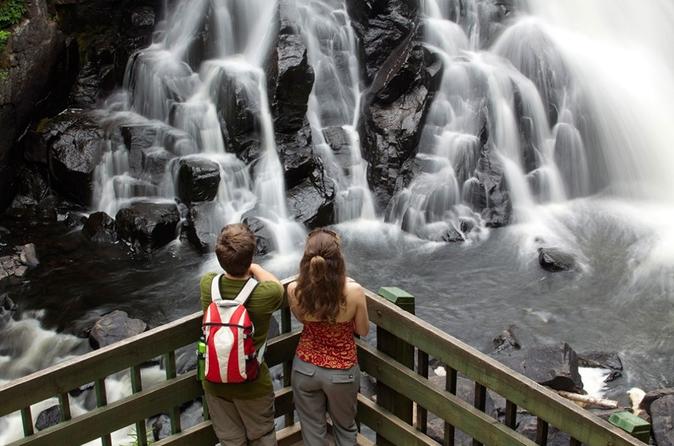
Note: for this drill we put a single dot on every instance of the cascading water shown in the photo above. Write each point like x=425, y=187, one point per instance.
x=335, y=103
x=183, y=93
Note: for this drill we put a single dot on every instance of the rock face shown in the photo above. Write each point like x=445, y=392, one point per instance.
x=100, y=228
x=312, y=201
x=73, y=142
x=115, y=327
x=148, y=225
x=291, y=75
x=200, y=225
x=403, y=79
x=198, y=179
x=35, y=46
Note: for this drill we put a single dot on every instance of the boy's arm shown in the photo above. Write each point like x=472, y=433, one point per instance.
x=261, y=274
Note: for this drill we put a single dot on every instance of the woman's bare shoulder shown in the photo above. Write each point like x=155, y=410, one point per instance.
x=353, y=290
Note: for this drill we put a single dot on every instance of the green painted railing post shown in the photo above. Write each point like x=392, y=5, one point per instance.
x=402, y=352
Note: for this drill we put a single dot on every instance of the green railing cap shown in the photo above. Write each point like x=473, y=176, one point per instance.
x=632, y=424
x=396, y=295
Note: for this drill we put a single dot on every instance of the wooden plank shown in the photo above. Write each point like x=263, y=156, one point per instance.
x=574, y=442
x=480, y=402
x=64, y=404
x=174, y=412
x=286, y=327
x=449, y=407
x=388, y=425
x=541, y=432
x=450, y=386
x=27, y=421
x=136, y=387
x=119, y=414
x=101, y=401
x=511, y=414
x=422, y=370
x=538, y=400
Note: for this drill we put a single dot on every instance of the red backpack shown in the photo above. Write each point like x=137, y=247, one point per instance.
x=230, y=355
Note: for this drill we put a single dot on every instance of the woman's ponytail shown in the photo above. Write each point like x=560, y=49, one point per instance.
x=317, y=269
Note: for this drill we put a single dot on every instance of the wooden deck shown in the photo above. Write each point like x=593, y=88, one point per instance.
x=398, y=362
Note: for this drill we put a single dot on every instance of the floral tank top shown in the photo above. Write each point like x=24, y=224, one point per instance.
x=328, y=345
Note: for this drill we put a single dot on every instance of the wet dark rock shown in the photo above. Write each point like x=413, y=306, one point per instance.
x=48, y=418
x=297, y=155
x=97, y=76
x=653, y=396
x=32, y=186
x=555, y=366
x=263, y=237
x=506, y=341
x=555, y=260
x=603, y=360
x=7, y=308
x=662, y=420
x=292, y=76
x=399, y=100
x=143, y=17
x=452, y=235
x=161, y=427
x=186, y=359
x=202, y=229
x=238, y=103
x=139, y=136
x=312, y=201
x=340, y=144
x=28, y=256
x=148, y=159
x=100, y=228
x=36, y=46
x=114, y=327
x=148, y=225
x=74, y=141
x=382, y=26
x=198, y=179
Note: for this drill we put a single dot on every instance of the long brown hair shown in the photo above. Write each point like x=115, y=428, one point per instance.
x=320, y=284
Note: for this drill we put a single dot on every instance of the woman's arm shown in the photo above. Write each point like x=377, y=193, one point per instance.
x=361, y=320
x=292, y=301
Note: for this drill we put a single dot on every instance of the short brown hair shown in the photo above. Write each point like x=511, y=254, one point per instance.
x=235, y=249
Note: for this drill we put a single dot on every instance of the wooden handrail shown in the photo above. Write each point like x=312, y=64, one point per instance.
x=475, y=365
x=518, y=390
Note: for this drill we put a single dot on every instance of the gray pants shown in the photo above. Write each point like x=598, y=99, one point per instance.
x=317, y=390
x=243, y=422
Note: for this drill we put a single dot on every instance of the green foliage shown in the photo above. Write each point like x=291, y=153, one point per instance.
x=11, y=12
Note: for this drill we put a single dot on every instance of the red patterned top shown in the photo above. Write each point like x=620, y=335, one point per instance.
x=329, y=345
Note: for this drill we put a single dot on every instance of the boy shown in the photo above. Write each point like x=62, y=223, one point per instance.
x=243, y=414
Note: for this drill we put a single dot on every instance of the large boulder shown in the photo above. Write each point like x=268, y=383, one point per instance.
x=74, y=143
x=291, y=75
x=555, y=366
x=264, y=239
x=148, y=225
x=204, y=222
x=115, y=327
x=100, y=228
x=198, y=179
x=312, y=202
x=662, y=420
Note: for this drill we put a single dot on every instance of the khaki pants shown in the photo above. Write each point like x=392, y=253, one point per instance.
x=243, y=422
x=317, y=390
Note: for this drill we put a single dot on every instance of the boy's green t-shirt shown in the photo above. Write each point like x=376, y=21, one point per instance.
x=266, y=298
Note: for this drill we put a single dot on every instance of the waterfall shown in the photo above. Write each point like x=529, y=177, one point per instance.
x=334, y=103
x=186, y=95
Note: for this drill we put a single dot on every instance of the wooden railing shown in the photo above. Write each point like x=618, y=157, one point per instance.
x=399, y=363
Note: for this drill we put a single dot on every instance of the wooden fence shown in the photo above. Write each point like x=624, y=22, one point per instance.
x=398, y=362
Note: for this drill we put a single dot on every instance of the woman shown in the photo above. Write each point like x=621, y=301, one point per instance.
x=325, y=374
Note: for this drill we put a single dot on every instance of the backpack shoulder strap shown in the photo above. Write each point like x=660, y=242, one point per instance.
x=246, y=291
x=215, y=288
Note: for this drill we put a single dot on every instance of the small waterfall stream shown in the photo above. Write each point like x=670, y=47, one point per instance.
x=335, y=103
x=179, y=94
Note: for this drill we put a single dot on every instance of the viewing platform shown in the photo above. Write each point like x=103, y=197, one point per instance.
x=398, y=360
